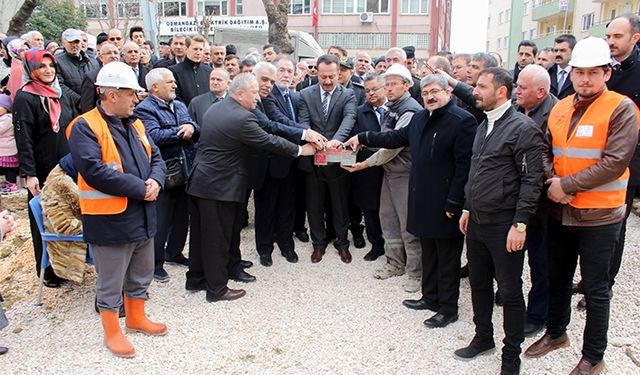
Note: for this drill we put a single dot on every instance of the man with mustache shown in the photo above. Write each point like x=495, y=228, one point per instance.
x=559, y=73
x=593, y=135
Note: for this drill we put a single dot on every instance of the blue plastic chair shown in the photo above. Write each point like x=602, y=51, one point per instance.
x=36, y=210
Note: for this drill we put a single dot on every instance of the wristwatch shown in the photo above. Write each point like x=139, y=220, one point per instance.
x=520, y=227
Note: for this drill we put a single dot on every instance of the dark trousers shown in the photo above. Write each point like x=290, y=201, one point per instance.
x=318, y=182
x=300, y=201
x=616, y=258
x=233, y=265
x=211, y=228
x=274, y=204
x=441, y=272
x=537, y=248
x=172, y=209
x=489, y=258
x=355, y=218
x=373, y=227
x=594, y=246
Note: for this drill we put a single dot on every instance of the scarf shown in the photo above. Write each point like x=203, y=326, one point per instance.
x=14, y=48
x=49, y=93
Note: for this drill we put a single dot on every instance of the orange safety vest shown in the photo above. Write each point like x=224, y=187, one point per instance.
x=585, y=146
x=92, y=201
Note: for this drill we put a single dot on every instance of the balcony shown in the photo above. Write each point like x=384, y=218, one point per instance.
x=549, y=8
x=548, y=39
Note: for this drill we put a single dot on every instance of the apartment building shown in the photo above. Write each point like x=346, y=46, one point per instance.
x=371, y=25
x=511, y=21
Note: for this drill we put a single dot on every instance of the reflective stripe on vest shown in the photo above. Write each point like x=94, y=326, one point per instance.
x=92, y=201
x=585, y=147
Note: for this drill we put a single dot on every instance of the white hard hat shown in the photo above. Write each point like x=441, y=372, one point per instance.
x=119, y=75
x=398, y=70
x=590, y=52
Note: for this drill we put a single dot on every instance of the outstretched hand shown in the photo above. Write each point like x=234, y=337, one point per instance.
x=352, y=142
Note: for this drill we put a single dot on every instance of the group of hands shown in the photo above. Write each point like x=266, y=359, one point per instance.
x=318, y=142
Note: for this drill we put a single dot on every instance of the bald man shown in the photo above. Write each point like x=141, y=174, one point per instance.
x=114, y=36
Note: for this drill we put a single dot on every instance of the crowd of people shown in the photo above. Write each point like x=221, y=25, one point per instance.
x=170, y=143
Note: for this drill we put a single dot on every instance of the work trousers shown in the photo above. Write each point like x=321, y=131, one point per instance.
x=210, y=238
x=172, y=208
x=441, y=272
x=594, y=246
x=127, y=267
x=401, y=247
x=489, y=258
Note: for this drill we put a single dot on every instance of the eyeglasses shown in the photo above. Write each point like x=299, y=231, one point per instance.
x=312, y=67
x=432, y=92
x=114, y=38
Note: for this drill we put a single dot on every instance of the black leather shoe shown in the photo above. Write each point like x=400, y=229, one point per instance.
x=464, y=271
x=474, y=349
x=531, y=329
x=246, y=264
x=182, y=260
x=291, y=256
x=243, y=277
x=373, y=254
x=265, y=260
x=229, y=295
x=420, y=304
x=358, y=240
x=302, y=236
x=3, y=350
x=510, y=367
x=440, y=320
x=195, y=286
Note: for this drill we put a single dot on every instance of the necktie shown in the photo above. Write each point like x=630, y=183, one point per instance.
x=137, y=72
x=380, y=111
x=287, y=98
x=325, y=104
x=561, y=79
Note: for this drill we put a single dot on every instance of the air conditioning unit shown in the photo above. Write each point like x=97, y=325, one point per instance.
x=366, y=17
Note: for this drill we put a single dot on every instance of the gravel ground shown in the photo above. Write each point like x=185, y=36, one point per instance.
x=297, y=319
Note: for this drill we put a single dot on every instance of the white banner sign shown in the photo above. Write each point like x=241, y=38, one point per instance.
x=564, y=5
x=184, y=25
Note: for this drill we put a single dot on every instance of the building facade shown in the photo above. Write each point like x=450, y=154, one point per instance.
x=371, y=25
x=511, y=21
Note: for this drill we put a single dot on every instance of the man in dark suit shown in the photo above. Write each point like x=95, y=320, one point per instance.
x=329, y=109
x=218, y=85
x=192, y=77
x=365, y=184
x=312, y=76
x=131, y=57
x=275, y=199
x=218, y=183
x=559, y=73
x=176, y=45
x=89, y=94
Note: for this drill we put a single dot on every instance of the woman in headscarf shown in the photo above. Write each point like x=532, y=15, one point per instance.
x=16, y=49
x=39, y=126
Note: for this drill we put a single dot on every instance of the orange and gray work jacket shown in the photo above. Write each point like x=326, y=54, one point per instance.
x=592, y=142
x=92, y=201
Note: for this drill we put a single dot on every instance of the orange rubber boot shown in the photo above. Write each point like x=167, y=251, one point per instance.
x=114, y=340
x=137, y=321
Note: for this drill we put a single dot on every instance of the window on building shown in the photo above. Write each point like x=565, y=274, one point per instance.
x=587, y=21
x=500, y=15
x=506, y=42
x=507, y=15
x=239, y=8
x=93, y=9
x=488, y=22
x=525, y=35
x=414, y=7
x=487, y=45
x=612, y=15
x=499, y=43
x=172, y=8
x=350, y=6
x=300, y=7
x=533, y=33
x=535, y=3
x=626, y=8
x=214, y=7
x=128, y=9
x=525, y=8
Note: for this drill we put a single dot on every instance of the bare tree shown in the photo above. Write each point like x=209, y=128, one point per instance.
x=278, y=16
x=19, y=20
x=206, y=23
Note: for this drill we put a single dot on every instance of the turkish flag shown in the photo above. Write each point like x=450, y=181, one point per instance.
x=314, y=16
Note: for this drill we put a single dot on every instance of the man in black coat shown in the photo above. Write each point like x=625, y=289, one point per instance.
x=192, y=77
x=559, y=73
x=176, y=45
x=440, y=140
x=329, y=109
x=366, y=184
x=72, y=65
x=218, y=183
x=88, y=101
x=218, y=84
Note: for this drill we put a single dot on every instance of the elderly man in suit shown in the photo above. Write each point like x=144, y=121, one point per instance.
x=218, y=183
x=218, y=85
x=329, y=109
x=559, y=73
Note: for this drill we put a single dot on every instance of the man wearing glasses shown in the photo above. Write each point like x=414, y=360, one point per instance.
x=115, y=37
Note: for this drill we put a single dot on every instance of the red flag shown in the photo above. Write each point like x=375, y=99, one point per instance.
x=314, y=16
